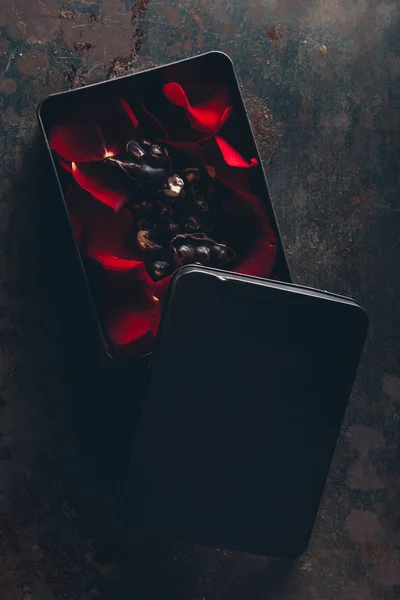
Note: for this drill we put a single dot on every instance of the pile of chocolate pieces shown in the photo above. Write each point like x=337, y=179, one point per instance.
x=176, y=213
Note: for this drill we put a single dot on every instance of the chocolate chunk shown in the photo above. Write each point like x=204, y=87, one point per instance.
x=160, y=269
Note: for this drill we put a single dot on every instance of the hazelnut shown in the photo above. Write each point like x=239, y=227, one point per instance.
x=191, y=175
x=174, y=186
x=145, y=243
x=134, y=149
x=157, y=153
x=211, y=171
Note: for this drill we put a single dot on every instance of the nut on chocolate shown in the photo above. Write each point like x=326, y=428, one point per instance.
x=145, y=243
x=191, y=174
x=174, y=186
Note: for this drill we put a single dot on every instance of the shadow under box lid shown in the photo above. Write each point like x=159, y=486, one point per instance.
x=248, y=387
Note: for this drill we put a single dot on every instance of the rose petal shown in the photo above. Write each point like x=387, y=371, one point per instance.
x=96, y=133
x=232, y=156
x=107, y=235
x=65, y=164
x=247, y=228
x=78, y=141
x=131, y=323
x=206, y=116
x=103, y=182
x=131, y=287
x=161, y=287
x=130, y=331
x=129, y=113
x=115, y=263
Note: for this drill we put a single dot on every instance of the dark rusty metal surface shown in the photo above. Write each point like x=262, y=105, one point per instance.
x=321, y=80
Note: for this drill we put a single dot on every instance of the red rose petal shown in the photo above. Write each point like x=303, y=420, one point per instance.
x=130, y=330
x=161, y=287
x=107, y=235
x=131, y=325
x=65, y=164
x=115, y=263
x=260, y=260
x=129, y=113
x=232, y=156
x=103, y=182
x=95, y=134
x=206, y=116
x=249, y=231
x=130, y=287
x=78, y=141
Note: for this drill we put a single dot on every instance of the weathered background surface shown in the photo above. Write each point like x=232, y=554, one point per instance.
x=322, y=83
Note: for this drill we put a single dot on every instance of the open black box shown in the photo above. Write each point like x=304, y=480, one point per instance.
x=143, y=94
x=291, y=328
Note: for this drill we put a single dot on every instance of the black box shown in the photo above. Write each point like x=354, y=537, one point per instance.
x=196, y=109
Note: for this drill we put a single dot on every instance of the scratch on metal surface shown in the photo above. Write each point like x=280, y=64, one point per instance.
x=12, y=56
x=146, y=19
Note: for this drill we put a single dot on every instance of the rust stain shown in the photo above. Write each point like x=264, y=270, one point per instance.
x=66, y=14
x=138, y=14
x=81, y=46
x=175, y=49
x=276, y=33
x=8, y=86
x=386, y=569
x=257, y=11
x=76, y=77
x=187, y=45
x=373, y=552
x=267, y=134
x=123, y=64
x=39, y=20
x=174, y=15
x=364, y=527
x=225, y=22
x=4, y=45
x=9, y=118
x=33, y=62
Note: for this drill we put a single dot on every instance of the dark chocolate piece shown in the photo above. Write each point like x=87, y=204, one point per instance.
x=142, y=173
x=160, y=269
x=184, y=254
